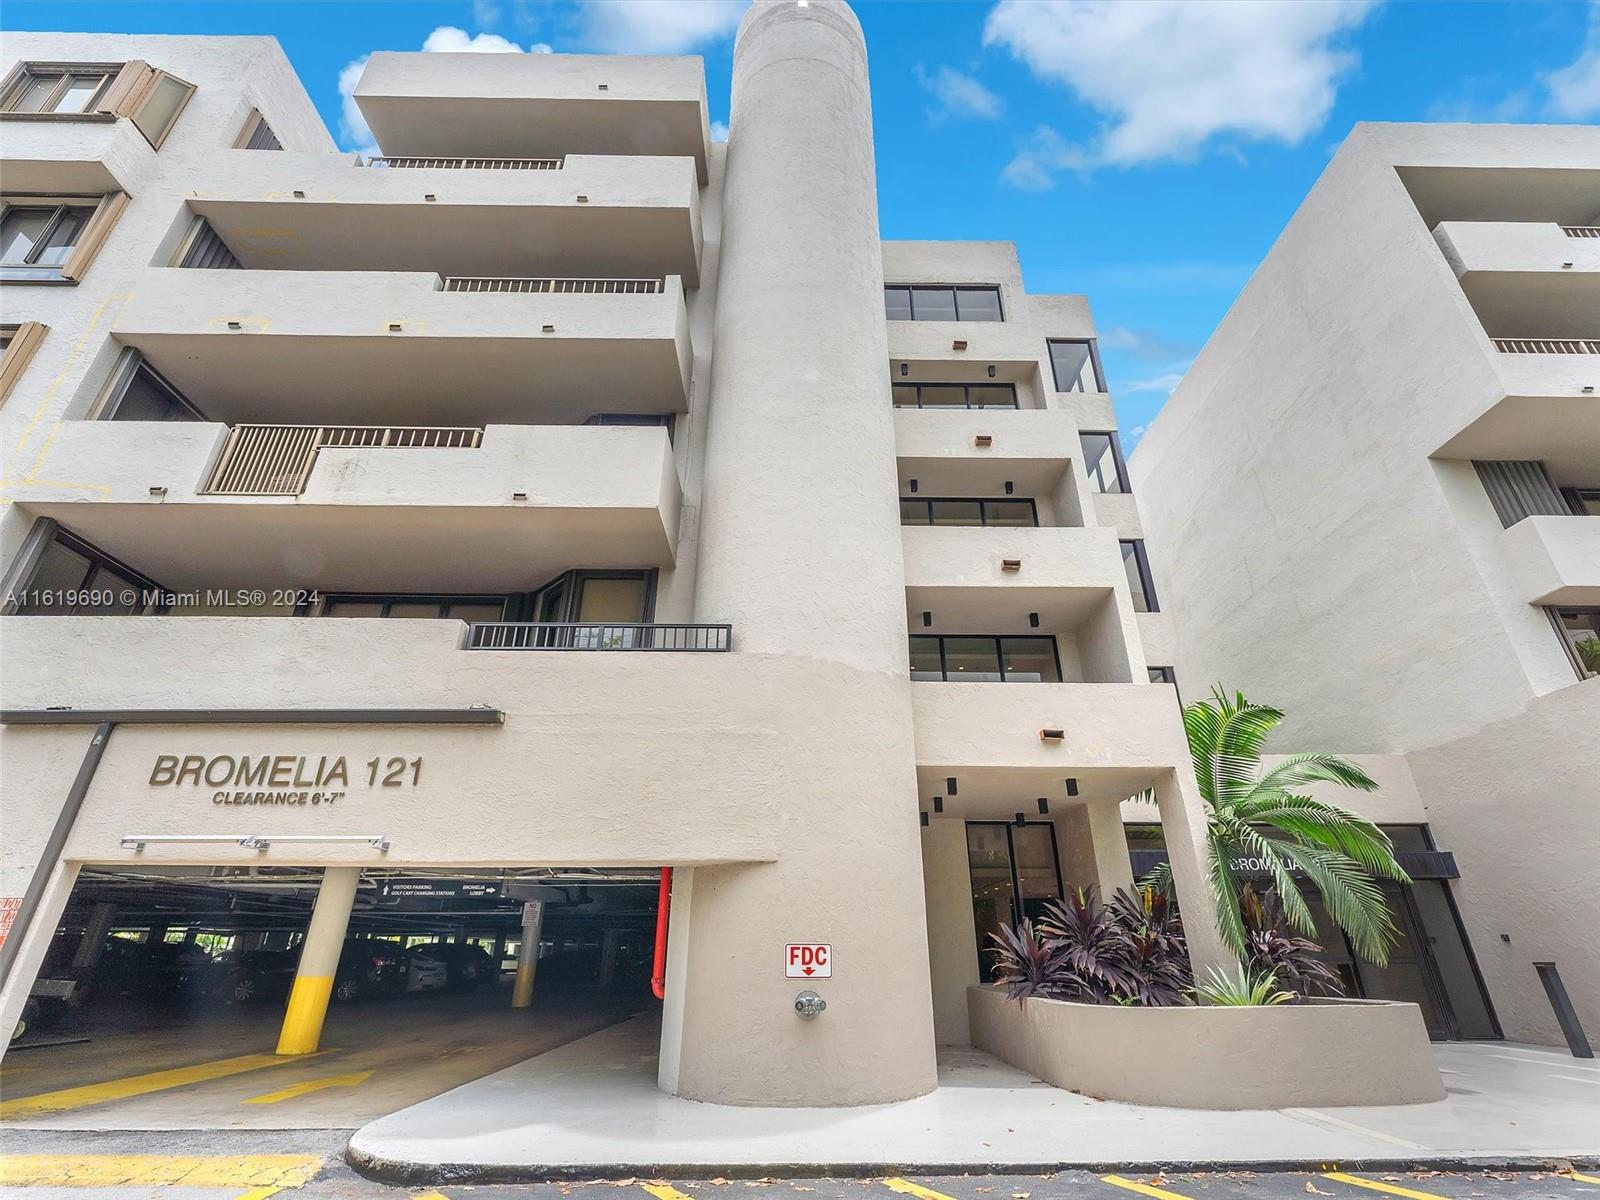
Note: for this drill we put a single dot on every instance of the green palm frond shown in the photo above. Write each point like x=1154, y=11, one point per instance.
x=1300, y=769
x=1319, y=823
x=1353, y=899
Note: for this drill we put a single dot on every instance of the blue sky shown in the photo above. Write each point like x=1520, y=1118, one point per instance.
x=1145, y=153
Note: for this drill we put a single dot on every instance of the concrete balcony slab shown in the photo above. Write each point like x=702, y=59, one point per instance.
x=940, y=448
x=83, y=155
x=1541, y=412
x=388, y=348
x=1556, y=559
x=369, y=518
x=587, y=216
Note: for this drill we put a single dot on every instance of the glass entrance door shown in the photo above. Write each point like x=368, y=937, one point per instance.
x=1015, y=871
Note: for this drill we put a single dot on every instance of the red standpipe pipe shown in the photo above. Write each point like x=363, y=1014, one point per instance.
x=658, y=973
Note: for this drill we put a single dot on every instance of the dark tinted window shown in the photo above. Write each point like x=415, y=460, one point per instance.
x=1102, y=462
x=956, y=512
x=1074, y=367
x=1138, y=568
x=925, y=658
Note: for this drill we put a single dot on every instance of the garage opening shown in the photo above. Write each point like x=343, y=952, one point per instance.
x=173, y=971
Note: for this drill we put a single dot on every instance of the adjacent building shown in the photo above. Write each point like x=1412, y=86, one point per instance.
x=558, y=490
x=1375, y=503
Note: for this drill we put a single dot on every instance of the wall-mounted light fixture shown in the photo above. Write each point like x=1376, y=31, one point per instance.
x=1072, y=787
x=1044, y=806
x=927, y=618
x=913, y=485
x=547, y=328
x=299, y=195
x=1021, y=820
x=991, y=370
x=1011, y=564
x=1589, y=390
x=583, y=199
x=235, y=324
x=1033, y=620
x=605, y=87
x=905, y=369
x=519, y=495
x=958, y=344
x=159, y=492
x=983, y=440
x=1011, y=486
x=394, y=326
x=430, y=197
x=1566, y=266
x=1052, y=735
x=950, y=784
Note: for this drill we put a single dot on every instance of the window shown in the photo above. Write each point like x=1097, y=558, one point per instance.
x=954, y=395
x=1015, y=872
x=1166, y=675
x=1586, y=502
x=204, y=250
x=138, y=392
x=257, y=134
x=1580, y=630
x=646, y=420
x=66, y=576
x=64, y=90
x=157, y=109
x=1076, y=366
x=1137, y=565
x=903, y=302
x=454, y=608
x=970, y=659
x=17, y=344
x=1102, y=461
x=914, y=510
x=53, y=241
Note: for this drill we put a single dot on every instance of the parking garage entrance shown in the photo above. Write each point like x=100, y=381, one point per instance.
x=161, y=1001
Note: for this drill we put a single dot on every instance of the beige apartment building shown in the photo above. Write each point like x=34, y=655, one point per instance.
x=1375, y=503
x=555, y=497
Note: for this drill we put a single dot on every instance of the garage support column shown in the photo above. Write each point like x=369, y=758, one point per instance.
x=319, y=961
x=528, y=954
x=95, y=933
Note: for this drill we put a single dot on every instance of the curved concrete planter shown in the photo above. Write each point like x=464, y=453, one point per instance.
x=1280, y=1056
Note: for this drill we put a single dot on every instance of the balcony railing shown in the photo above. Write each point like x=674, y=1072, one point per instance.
x=555, y=287
x=1547, y=345
x=1588, y=231
x=552, y=635
x=471, y=164
x=276, y=460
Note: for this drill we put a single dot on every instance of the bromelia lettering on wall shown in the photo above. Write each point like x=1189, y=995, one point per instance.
x=245, y=771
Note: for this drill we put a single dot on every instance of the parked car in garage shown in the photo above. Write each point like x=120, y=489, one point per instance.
x=165, y=972
x=247, y=976
x=369, y=968
x=468, y=967
x=424, y=972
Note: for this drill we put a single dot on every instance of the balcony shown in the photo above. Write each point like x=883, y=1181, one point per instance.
x=1548, y=406
x=1115, y=739
x=196, y=505
x=1556, y=560
x=386, y=348
x=83, y=155
x=945, y=450
x=535, y=105
x=580, y=215
x=555, y=635
x=1527, y=281
x=996, y=580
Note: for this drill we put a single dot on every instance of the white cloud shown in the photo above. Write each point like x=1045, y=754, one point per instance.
x=1147, y=345
x=353, y=130
x=959, y=95
x=486, y=12
x=719, y=131
x=1575, y=89
x=658, y=26
x=1170, y=75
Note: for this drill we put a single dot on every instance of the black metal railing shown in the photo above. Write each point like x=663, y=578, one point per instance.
x=579, y=635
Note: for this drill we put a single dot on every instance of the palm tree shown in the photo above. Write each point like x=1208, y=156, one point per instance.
x=1257, y=814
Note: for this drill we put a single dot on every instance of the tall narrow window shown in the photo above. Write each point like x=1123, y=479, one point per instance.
x=17, y=344
x=1102, y=462
x=1076, y=366
x=1140, y=584
x=203, y=249
x=257, y=134
x=1580, y=629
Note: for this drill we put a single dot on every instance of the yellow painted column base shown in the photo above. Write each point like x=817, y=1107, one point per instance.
x=302, y=1020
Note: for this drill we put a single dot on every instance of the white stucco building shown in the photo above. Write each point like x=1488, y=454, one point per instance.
x=636, y=472
x=1375, y=503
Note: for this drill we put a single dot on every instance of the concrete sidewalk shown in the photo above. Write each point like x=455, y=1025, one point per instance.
x=591, y=1109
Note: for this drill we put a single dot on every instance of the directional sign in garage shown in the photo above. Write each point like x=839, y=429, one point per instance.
x=808, y=960
x=437, y=889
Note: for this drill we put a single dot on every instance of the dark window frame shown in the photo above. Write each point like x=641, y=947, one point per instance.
x=1116, y=457
x=1581, y=498
x=129, y=366
x=1558, y=615
x=573, y=579
x=48, y=533
x=1146, y=577
x=1094, y=361
x=910, y=290
x=966, y=397
x=626, y=420
x=506, y=601
x=1016, y=879
x=999, y=653
x=29, y=270
x=983, y=513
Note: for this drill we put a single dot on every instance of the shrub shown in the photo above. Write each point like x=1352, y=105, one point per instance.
x=1239, y=989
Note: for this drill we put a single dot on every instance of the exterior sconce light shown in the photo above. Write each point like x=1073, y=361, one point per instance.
x=1589, y=390
x=1033, y=620
x=958, y=344
x=1566, y=266
x=922, y=819
x=160, y=493
x=583, y=199
x=394, y=326
x=1011, y=564
x=991, y=370
x=235, y=324
x=547, y=329
x=938, y=804
x=905, y=369
x=983, y=440
x=927, y=618
x=1010, y=487
x=1052, y=735
x=913, y=485
x=1072, y=787
x=299, y=195
x=605, y=87
x=950, y=785
x=430, y=197
x=519, y=495
x=1021, y=820
x=1044, y=806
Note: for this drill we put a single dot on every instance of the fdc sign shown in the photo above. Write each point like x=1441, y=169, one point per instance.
x=808, y=960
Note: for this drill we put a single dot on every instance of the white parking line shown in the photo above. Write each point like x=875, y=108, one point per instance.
x=1313, y=1117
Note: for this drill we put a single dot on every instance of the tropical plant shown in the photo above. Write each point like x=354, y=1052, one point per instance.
x=1588, y=649
x=1240, y=988
x=1025, y=966
x=1095, y=951
x=1260, y=815
x=1159, y=955
x=1272, y=948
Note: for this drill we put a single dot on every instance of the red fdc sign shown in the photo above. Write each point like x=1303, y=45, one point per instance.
x=808, y=960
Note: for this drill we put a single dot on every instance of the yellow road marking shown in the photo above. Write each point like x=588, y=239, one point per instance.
x=1133, y=1185
x=266, y=1173
x=1391, y=1189
x=134, y=1085
x=660, y=1191
x=258, y=1193
x=425, y=1196
x=1580, y=1178
x=311, y=1085
x=915, y=1189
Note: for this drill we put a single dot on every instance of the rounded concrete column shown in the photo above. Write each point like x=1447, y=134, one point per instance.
x=800, y=549
x=319, y=961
